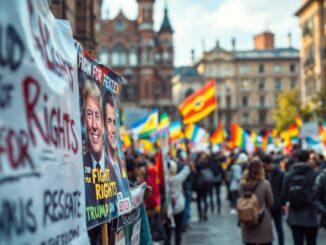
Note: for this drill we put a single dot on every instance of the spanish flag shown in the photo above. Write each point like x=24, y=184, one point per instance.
x=199, y=104
x=218, y=136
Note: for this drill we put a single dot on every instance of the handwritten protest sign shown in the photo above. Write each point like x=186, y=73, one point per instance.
x=41, y=173
x=128, y=225
x=105, y=175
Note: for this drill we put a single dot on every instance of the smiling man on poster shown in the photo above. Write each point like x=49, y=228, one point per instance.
x=110, y=125
x=100, y=185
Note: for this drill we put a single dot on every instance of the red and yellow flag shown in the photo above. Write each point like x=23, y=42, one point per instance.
x=218, y=136
x=199, y=104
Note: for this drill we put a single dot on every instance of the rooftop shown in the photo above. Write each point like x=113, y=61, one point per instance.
x=268, y=53
x=186, y=71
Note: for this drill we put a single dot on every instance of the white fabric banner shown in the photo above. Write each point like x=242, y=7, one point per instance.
x=42, y=197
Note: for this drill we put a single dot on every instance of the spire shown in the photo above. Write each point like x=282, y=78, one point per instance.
x=166, y=26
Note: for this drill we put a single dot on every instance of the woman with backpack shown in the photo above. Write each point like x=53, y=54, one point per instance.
x=256, y=199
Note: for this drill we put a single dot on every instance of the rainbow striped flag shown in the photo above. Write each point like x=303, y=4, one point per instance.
x=196, y=134
x=238, y=136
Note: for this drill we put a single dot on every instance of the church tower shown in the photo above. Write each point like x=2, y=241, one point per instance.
x=146, y=51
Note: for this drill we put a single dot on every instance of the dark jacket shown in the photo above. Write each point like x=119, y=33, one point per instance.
x=320, y=196
x=307, y=216
x=200, y=166
x=217, y=170
x=276, y=178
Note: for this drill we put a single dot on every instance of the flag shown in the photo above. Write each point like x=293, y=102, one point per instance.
x=196, y=134
x=298, y=120
x=199, y=104
x=163, y=126
x=175, y=130
x=147, y=146
x=238, y=136
x=322, y=131
x=125, y=138
x=164, y=122
x=144, y=127
x=290, y=135
x=218, y=136
x=159, y=167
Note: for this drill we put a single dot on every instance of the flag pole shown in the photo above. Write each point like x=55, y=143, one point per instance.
x=184, y=134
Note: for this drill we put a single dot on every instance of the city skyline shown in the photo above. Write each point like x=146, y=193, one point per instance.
x=193, y=32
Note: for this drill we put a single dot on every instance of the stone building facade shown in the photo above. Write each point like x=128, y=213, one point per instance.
x=248, y=82
x=312, y=17
x=143, y=56
x=84, y=16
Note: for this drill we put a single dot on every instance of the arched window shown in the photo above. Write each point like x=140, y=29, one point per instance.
x=104, y=56
x=119, y=56
x=133, y=58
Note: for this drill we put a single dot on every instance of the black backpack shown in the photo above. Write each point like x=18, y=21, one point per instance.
x=299, y=194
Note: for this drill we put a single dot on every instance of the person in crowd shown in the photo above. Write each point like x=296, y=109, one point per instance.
x=320, y=197
x=235, y=177
x=230, y=161
x=254, y=180
x=145, y=231
x=182, y=160
x=297, y=191
x=177, y=197
x=219, y=175
x=275, y=177
x=201, y=185
x=322, y=161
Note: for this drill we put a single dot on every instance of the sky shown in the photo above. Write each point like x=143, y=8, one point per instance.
x=198, y=24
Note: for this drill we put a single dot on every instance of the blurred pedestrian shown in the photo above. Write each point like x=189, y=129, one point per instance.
x=235, y=177
x=320, y=197
x=184, y=159
x=204, y=178
x=254, y=181
x=297, y=190
x=275, y=177
x=177, y=198
x=219, y=175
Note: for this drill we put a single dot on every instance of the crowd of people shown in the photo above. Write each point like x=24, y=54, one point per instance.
x=261, y=189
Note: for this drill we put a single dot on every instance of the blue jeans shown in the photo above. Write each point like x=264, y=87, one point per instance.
x=186, y=212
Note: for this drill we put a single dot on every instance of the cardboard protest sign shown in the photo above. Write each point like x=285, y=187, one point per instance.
x=128, y=225
x=106, y=182
x=137, y=195
x=41, y=176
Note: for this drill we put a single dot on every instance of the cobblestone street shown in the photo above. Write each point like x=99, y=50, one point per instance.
x=222, y=229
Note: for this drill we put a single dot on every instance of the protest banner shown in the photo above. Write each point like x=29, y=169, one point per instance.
x=42, y=197
x=128, y=225
x=105, y=174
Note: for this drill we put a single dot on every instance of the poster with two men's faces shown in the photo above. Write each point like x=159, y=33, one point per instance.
x=105, y=174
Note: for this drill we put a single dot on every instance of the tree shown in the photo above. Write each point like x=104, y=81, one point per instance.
x=288, y=106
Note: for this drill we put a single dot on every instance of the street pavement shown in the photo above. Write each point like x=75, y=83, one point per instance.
x=222, y=228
